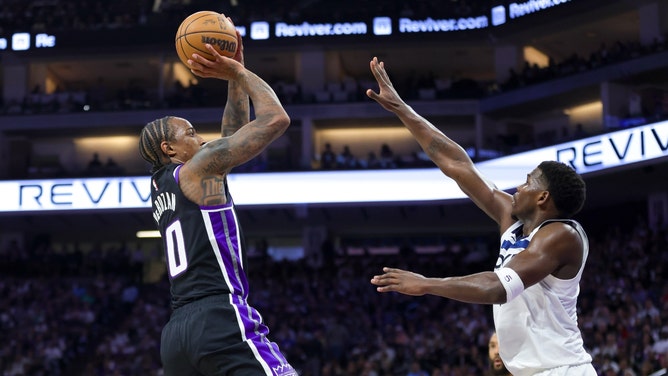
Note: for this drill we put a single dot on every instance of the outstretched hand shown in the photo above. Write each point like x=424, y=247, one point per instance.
x=387, y=95
x=221, y=67
x=398, y=280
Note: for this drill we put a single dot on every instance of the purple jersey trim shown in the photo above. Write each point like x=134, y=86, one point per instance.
x=176, y=173
x=216, y=207
x=224, y=229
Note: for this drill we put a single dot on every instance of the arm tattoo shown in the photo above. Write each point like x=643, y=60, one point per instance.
x=234, y=118
x=213, y=190
x=237, y=110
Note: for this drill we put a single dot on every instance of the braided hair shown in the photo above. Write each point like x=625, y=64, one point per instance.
x=152, y=135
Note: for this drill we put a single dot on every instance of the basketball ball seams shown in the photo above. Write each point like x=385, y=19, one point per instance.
x=206, y=32
x=217, y=20
x=205, y=27
x=202, y=52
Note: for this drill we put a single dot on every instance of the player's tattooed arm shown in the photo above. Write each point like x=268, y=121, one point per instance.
x=237, y=109
x=213, y=190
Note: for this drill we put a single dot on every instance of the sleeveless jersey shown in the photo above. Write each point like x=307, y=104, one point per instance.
x=538, y=329
x=203, y=244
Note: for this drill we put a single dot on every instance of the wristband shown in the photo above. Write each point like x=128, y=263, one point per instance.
x=511, y=282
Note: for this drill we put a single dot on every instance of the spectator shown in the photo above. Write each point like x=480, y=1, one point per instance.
x=95, y=167
x=328, y=158
x=495, y=362
x=346, y=159
x=386, y=157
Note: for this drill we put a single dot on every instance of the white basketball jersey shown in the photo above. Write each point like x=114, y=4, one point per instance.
x=538, y=329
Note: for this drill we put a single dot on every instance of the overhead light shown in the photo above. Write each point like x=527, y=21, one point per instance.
x=148, y=234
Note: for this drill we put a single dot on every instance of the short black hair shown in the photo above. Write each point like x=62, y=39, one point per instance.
x=566, y=187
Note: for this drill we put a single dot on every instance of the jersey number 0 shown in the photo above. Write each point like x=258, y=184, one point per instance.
x=175, y=247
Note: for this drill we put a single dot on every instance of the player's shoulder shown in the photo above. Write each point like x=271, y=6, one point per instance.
x=563, y=228
x=565, y=241
x=560, y=230
x=564, y=223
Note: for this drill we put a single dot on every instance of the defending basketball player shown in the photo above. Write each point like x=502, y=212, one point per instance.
x=212, y=330
x=535, y=282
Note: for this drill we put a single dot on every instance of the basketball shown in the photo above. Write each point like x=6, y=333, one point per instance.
x=205, y=27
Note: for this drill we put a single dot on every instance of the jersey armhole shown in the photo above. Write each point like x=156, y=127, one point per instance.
x=176, y=173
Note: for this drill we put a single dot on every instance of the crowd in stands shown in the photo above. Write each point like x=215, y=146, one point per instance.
x=97, y=97
x=86, y=15
x=604, y=55
x=98, y=168
x=89, y=314
x=329, y=159
x=345, y=159
x=55, y=306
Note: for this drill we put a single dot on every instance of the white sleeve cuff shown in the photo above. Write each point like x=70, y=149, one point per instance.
x=511, y=282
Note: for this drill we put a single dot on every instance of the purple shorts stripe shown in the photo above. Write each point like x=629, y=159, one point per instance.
x=256, y=335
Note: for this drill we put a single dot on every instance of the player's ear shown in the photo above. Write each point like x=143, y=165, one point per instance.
x=543, y=197
x=167, y=149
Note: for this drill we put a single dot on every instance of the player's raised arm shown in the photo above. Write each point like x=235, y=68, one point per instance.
x=237, y=108
x=270, y=121
x=449, y=156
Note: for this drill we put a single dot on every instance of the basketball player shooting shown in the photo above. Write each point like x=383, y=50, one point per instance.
x=212, y=329
x=535, y=282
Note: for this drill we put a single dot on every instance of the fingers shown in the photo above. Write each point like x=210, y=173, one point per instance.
x=374, y=67
x=196, y=67
x=213, y=51
x=379, y=73
x=239, y=56
x=199, y=64
x=385, y=283
x=373, y=64
x=389, y=276
x=199, y=61
x=379, y=280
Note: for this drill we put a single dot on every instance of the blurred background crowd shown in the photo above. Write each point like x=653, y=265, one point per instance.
x=85, y=15
x=95, y=313
x=70, y=310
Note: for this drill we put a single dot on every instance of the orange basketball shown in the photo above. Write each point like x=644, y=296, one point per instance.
x=205, y=27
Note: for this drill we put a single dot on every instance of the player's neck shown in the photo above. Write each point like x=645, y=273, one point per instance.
x=529, y=224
